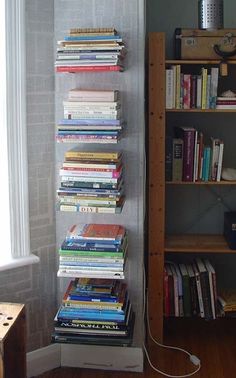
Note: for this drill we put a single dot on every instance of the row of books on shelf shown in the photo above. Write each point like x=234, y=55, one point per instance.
x=191, y=91
x=189, y=157
x=95, y=311
x=97, y=50
x=91, y=116
x=94, y=251
x=190, y=289
x=91, y=182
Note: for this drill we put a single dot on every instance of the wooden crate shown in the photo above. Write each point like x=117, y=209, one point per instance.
x=12, y=340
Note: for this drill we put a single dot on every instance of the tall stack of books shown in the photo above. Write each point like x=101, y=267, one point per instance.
x=94, y=251
x=95, y=311
x=90, y=49
x=190, y=289
x=91, y=182
x=91, y=116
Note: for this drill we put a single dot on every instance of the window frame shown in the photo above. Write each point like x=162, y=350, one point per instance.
x=17, y=136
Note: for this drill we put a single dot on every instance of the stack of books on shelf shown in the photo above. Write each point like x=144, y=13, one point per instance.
x=227, y=302
x=91, y=182
x=95, y=49
x=190, y=289
x=225, y=103
x=191, y=91
x=91, y=116
x=95, y=311
x=94, y=251
x=190, y=158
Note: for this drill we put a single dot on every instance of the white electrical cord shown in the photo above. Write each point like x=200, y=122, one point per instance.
x=194, y=359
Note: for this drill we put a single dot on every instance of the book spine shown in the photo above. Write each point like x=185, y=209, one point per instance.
x=168, y=160
x=72, y=69
x=199, y=92
x=200, y=299
x=188, y=155
x=169, y=88
x=178, y=87
x=193, y=92
x=95, y=174
x=204, y=88
x=206, y=295
x=220, y=161
x=177, y=171
x=187, y=91
x=89, y=209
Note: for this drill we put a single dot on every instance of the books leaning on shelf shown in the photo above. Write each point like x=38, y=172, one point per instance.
x=91, y=182
x=94, y=250
x=190, y=289
x=95, y=311
x=90, y=51
x=186, y=90
x=192, y=158
x=91, y=116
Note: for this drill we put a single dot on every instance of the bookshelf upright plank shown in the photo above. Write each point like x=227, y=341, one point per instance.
x=156, y=181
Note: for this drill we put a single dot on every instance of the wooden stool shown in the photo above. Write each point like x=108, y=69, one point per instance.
x=12, y=340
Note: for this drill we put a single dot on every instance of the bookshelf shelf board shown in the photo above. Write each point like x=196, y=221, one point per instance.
x=201, y=182
x=189, y=243
x=200, y=110
x=195, y=61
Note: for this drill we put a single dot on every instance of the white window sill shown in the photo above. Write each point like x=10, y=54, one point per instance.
x=17, y=262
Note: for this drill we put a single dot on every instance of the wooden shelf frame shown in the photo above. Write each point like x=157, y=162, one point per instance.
x=158, y=242
x=189, y=243
x=156, y=181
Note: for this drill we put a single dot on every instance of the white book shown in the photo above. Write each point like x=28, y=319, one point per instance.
x=214, y=86
x=220, y=161
x=89, y=274
x=199, y=290
x=211, y=275
x=199, y=92
x=169, y=88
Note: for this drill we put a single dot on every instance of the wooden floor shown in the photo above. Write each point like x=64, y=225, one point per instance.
x=214, y=342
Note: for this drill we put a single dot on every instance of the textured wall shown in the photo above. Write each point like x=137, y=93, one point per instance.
x=128, y=18
x=36, y=285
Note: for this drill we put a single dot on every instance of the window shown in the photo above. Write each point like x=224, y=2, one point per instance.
x=14, y=228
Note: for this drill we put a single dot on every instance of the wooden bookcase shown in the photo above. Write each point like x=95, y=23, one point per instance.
x=159, y=242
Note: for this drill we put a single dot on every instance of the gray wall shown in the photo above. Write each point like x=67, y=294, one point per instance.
x=36, y=285
x=197, y=209
x=166, y=15
x=128, y=18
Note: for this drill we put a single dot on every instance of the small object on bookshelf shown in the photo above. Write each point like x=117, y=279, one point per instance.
x=230, y=228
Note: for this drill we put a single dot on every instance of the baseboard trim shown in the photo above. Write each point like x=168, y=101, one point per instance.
x=41, y=360
x=102, y=357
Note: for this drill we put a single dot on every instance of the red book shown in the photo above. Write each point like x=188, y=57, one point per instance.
x=73, y=69
x=187, y=91
x=112, y=233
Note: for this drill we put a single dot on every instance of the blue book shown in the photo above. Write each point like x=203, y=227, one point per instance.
x=91, y=121
x=83, y=246
x=94, y=38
